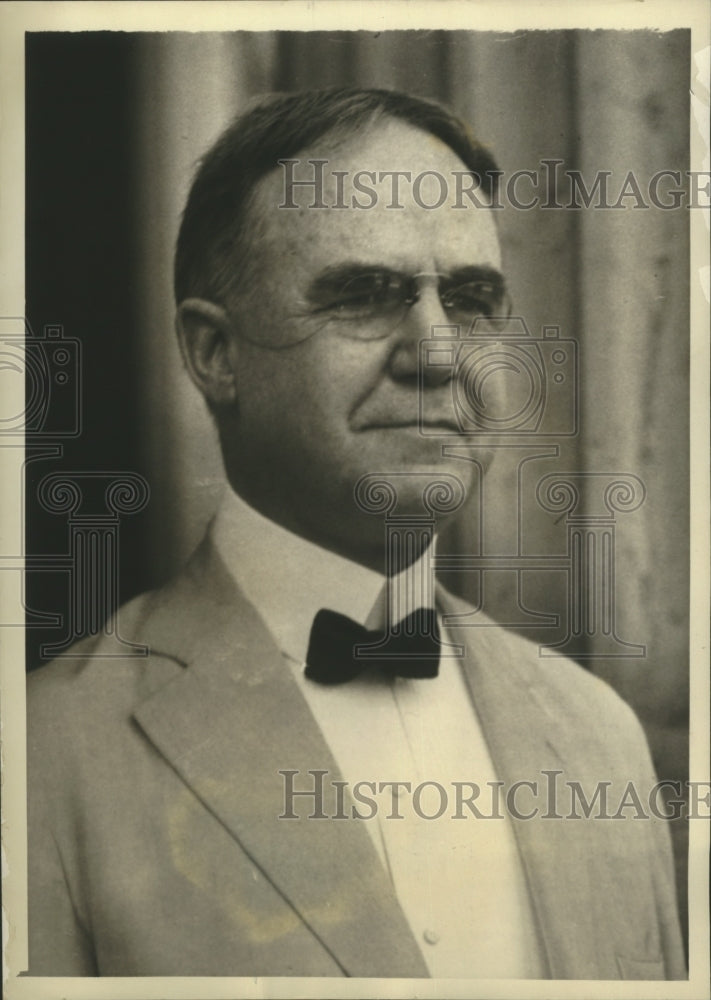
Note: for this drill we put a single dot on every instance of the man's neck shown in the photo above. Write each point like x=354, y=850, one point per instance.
x=289, y=578
x=359, y=537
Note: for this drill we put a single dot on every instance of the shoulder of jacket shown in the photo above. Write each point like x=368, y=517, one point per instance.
x=100, y=669
x=573, y=694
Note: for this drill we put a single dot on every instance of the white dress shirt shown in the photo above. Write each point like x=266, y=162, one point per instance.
x=460, y=882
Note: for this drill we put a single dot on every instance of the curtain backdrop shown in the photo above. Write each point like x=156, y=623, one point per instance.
x=614, y=281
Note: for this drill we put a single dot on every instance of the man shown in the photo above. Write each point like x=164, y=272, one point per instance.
x=203, y=812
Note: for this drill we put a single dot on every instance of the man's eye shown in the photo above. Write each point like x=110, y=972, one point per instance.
x=364, y=293
x=478, y=298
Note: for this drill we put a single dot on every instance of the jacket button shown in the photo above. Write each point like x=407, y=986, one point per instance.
x=431, y=937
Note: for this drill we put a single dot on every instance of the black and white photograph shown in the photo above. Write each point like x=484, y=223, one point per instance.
x=354, y=438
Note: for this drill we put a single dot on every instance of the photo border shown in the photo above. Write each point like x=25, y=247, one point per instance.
x=15, y=20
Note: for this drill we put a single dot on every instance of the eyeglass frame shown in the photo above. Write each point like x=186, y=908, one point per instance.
x=491, y=277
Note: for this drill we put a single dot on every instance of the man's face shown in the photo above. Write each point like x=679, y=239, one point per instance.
x=315, y=415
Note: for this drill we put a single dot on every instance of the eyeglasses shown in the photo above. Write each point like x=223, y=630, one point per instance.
x=361, y=303
x=370, y=304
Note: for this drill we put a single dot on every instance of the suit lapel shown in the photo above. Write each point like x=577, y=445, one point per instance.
x=234, y=718
x=525, y=738
x=228, y=724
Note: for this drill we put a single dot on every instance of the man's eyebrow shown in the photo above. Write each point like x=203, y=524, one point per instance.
x=334, y=277
x=473, y=272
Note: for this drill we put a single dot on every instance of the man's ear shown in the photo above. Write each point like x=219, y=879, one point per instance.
x=209, y=349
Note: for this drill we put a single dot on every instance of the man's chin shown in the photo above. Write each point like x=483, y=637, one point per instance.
x=420, y=480
x=406, y=447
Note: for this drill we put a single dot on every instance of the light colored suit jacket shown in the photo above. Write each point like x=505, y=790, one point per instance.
x=155, y=847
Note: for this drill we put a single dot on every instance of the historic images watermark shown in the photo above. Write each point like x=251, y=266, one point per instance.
x=546, y=187
x=319, y=796
x=93, y=503
x=539, y=394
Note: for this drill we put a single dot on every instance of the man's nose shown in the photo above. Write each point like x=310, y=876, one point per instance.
x=415, y=327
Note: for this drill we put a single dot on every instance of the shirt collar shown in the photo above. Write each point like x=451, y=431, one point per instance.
x=288, y=579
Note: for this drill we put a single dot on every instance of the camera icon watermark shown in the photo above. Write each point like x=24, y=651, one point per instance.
x=48, y=388
x=503, y=380
x=41, y=393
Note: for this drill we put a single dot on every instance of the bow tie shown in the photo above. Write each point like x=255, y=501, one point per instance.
x=411, y=650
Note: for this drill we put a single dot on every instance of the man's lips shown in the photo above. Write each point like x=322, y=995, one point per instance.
x=406, y=411
x=443, y=424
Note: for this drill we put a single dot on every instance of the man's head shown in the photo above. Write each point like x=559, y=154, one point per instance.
x=301, y=325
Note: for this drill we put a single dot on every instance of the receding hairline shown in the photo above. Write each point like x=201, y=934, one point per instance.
x=327, y=147
x=212, y=252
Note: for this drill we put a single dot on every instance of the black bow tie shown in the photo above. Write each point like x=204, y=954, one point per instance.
x=336, y=652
